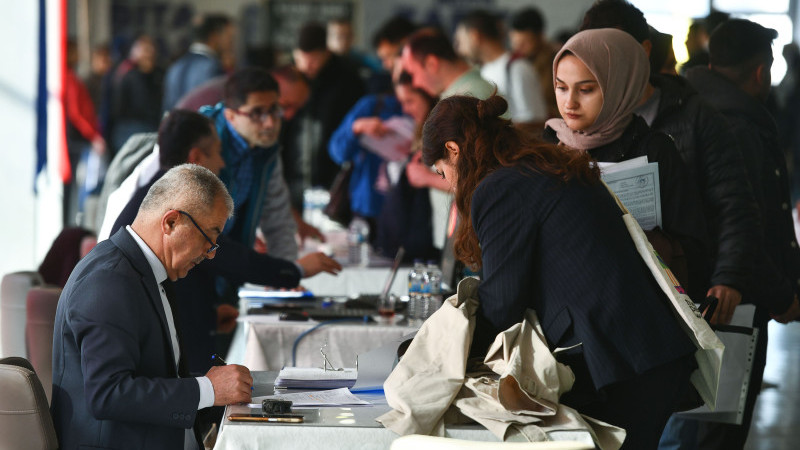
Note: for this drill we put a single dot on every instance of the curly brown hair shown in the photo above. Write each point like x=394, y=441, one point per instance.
x=487, y=142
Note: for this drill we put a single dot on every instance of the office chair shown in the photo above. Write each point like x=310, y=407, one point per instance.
x=13, y=292
x=41, y=306
x=25, y=422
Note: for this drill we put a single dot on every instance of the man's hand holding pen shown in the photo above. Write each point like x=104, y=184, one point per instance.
x=232, y=383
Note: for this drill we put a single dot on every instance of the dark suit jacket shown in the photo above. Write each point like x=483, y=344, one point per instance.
x=115, y=383
x=563, y=250
x=196, y=293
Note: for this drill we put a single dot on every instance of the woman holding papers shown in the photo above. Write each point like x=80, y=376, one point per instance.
x=600, y=77
x=368, y=137
x=548, y=236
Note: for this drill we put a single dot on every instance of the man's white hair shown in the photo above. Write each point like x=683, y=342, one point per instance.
x=187, y=187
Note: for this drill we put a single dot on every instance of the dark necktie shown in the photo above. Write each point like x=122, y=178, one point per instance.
x=169, y=290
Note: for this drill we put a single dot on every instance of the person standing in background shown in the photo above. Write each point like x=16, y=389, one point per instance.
x=136, y=99
x=214, y=37
x=83, y=135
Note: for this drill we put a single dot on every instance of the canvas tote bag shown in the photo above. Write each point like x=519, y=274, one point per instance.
x=709, y=347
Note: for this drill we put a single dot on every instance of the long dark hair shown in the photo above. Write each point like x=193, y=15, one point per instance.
x=63, y=256
x=487, y=142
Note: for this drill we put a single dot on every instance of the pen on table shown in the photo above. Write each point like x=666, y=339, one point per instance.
x=217, y=360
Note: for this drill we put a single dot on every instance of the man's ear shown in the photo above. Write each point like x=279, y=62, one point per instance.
x=194, y=156
x=228, y=113
x=647, y=44
x=431, y=64
x=169, y=221
x=759, y=74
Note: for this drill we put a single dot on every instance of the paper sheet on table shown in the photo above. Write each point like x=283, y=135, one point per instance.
x=333, y=397
x=636, y=183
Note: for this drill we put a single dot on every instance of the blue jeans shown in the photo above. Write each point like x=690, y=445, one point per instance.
x=679, y=434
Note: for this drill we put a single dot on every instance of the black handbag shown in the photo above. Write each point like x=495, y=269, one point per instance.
x=338, y=208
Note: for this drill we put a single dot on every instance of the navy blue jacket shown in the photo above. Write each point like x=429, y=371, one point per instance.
x=196, y=293
x=115, y=383
x=563, y=250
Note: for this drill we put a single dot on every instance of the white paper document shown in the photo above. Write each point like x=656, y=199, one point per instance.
x=395, y=144
x=333, y=397
x=637, y=185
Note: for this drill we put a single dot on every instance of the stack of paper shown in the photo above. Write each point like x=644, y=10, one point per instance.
x=334, y=397
x=315, y=378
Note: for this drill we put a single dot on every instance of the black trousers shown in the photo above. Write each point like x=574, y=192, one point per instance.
x=641, y=405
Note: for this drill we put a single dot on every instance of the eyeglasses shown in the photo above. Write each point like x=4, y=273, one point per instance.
x=214, y=245
x=259, y=115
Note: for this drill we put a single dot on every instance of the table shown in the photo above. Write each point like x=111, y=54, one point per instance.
x=335, y=428
x=269, y=342
x=262, y=342
x=352, y=281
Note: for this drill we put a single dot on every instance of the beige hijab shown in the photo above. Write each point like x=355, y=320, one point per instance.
x=622, y=70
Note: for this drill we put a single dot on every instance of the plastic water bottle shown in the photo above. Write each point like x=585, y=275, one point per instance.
x=414, y=291
x=423, y=307
x=358, y=242
x=435, y=287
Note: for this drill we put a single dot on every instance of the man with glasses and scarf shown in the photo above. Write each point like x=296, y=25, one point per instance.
x=248, y=123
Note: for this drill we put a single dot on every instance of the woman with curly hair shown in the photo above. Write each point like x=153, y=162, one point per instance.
x=548, y=236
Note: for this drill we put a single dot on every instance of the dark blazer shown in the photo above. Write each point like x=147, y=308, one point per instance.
x=115, y=382
x=563, y=250
x=196, y=293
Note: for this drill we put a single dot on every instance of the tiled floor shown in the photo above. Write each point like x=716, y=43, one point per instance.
x=776, y=422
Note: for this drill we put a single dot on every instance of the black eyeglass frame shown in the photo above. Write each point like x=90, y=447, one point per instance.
x=214, y=245
x=259, y=116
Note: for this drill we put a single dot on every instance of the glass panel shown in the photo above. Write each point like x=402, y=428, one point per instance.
x=750, y=6
x=675, y=25
x=683, y=8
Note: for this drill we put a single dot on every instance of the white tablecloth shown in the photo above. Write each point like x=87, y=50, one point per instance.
x=269, y=342
x=335, y=428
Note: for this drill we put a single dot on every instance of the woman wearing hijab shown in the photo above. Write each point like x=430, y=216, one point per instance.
x=549, y=236
x=600, y=76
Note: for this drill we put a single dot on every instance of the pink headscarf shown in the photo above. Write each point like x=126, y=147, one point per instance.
x=622, y=70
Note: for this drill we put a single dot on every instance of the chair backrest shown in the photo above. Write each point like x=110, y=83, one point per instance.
x=41, y=306
x=13, y=294
x=25, y=421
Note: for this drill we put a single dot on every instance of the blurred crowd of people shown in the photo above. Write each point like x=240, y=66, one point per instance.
x=351, y=123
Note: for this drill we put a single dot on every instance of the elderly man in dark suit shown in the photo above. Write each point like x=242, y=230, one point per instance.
x=118, y=369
